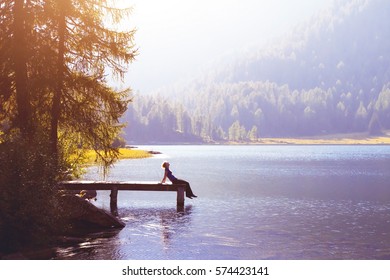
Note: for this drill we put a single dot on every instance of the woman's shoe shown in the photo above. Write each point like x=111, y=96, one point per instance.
x=194, y=195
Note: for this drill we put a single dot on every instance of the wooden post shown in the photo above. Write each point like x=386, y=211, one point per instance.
x=180, y=195
x=114, y=201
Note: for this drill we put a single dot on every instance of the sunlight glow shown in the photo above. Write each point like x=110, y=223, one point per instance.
x=187, y=35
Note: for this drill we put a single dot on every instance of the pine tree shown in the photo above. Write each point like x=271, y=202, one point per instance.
x=54, y=100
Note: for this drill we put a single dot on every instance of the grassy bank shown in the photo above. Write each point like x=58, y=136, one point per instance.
x=133, y=154
x=90, y=156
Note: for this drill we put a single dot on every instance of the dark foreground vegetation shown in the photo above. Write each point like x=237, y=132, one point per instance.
x=54, y=104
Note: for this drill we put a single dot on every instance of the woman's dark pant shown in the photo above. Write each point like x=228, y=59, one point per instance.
x=189, y=192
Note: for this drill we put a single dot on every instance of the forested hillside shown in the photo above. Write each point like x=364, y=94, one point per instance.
x=331, y=75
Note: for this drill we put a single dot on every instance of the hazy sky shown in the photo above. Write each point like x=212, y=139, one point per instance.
x=177, y=38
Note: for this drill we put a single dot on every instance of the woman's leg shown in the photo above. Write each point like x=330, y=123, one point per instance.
x=189, y=192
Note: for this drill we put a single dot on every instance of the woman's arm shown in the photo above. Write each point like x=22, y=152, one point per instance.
x=165, y=177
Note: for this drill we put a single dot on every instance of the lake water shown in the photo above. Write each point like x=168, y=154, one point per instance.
x=254, y=202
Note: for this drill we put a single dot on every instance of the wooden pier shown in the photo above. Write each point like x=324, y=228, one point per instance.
x=114, y=187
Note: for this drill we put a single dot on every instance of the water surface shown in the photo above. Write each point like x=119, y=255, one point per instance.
x=255, y=202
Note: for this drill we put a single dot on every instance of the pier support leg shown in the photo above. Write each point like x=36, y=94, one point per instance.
x=180, y=196
x=114, y=201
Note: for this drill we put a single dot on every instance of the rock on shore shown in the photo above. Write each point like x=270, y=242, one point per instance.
x=84, y=215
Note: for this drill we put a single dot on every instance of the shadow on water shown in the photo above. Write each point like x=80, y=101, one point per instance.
x=84, y=247
x=159, y=226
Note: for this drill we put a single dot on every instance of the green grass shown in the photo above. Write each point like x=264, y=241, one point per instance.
x=133, y=154
x=89, y=156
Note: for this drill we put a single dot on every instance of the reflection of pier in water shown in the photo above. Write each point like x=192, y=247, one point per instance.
x=181, y=220
x=164, y=222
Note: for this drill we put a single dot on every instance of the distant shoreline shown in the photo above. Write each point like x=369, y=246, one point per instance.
x=321, y=141
x=331, y=139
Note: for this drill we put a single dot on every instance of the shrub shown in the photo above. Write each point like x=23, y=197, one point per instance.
x=29, y=204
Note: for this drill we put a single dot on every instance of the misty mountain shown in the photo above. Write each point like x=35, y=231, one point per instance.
x=330, y=75
x=347, y=46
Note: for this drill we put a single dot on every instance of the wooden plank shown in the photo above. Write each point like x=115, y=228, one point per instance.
x=120, y=186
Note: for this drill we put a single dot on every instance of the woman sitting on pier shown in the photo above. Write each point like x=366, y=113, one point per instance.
x=168, y=174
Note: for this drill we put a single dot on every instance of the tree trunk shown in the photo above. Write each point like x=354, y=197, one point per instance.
x=24, y=109
x=56, y=106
